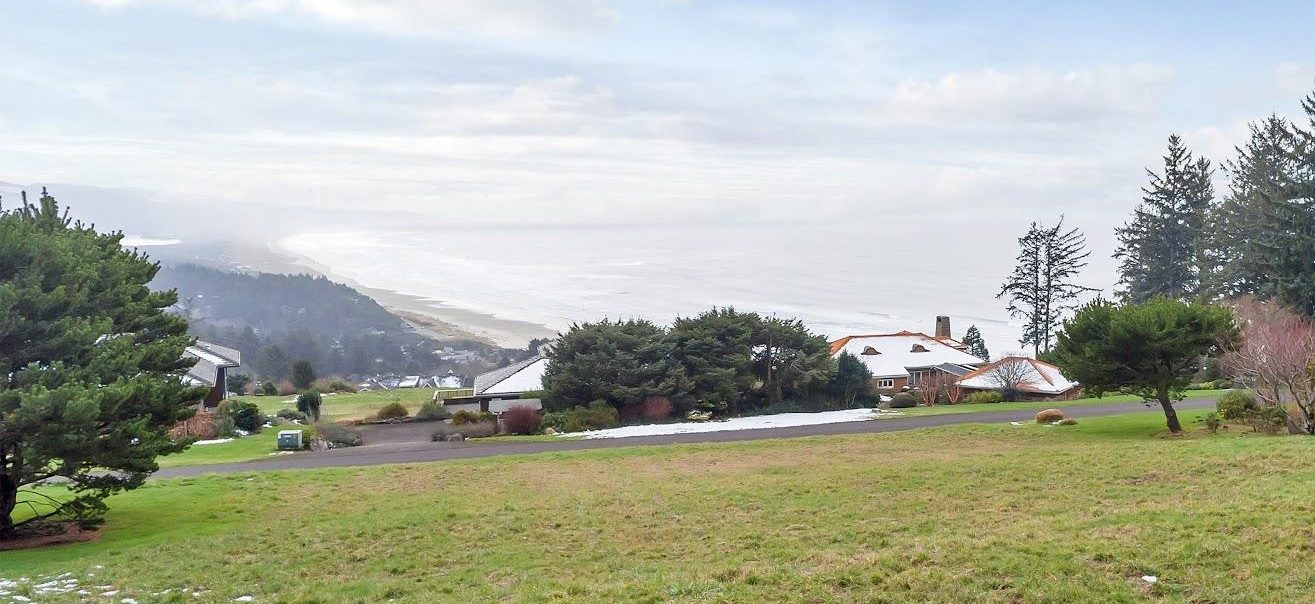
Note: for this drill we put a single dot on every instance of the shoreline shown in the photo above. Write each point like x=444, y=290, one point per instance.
x=431, y=318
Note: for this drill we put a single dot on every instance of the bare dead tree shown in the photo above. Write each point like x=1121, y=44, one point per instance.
x=929, y=387
x=1010, y=375
x=1273, y=358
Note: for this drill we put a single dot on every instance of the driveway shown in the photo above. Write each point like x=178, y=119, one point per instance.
x=420, y=450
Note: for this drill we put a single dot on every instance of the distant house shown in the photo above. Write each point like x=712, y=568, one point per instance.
x=513, y=380
x=211, y=369
x=448, y=382
x=1030, y=378
x=906, y=358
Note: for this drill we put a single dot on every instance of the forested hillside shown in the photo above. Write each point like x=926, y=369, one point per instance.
x=278, y=319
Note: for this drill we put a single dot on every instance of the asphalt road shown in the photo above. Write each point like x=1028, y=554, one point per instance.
x=411, y=452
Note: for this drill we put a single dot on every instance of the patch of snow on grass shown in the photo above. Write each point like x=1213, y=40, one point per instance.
x=759, y=422
x=215, y=441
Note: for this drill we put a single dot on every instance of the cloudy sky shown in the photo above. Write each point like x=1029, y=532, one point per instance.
x=622, y=111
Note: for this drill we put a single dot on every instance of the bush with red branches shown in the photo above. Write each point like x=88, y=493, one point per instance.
x=522, y=420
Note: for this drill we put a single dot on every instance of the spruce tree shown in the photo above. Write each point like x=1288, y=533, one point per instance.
x=1289, y=239
x=1246, y=232
x=91, y=365
x=976, y=345
x=1163, y=251
x=1041, y=288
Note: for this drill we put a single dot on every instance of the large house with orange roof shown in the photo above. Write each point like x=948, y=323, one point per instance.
x=906, y=358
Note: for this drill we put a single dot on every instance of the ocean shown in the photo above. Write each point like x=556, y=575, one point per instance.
x=839, y=279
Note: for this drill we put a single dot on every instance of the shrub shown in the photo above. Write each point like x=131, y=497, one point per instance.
x=286, y=388
x=309, y=403
x=245, y=415
x=1212, y=422
x=431, y=411
x=269, y=389
x=1223, y=384
x=291, y=415
x=1235, y=405
x=986, y=397
x=392, y=411
x=1049, y=416
x=522, y=420
x=651, y=408
x=903, y=400
x=339, y=386
x=478, y=429
x=1266, y=419
x=597, y=416
x=224, y=427
x=338, y=435
x=462, y=418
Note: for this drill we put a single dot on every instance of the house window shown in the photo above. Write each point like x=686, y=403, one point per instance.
x=886, y=383
x=918, y=348
x=870, y=351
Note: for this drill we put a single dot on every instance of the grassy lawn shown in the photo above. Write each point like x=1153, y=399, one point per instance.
x=1082, y=402
x=349, y=406
x=972, y=513
x=247, y=448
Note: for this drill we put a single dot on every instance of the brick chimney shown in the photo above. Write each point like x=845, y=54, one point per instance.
x=943, y=327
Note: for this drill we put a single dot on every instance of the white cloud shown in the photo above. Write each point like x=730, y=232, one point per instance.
x=1032, y=95
x=496, y=17
x=1295, y=77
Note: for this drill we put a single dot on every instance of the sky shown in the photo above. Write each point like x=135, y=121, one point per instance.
x=977, y=114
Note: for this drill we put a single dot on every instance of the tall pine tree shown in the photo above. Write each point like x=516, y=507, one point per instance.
x=1163, y=249
x=91, y=366
x=1290, y=236
x=1247, y=235
x=976, y=345
x=1041, y=288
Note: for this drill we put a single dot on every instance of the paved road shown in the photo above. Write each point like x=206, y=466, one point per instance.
x=371, y=455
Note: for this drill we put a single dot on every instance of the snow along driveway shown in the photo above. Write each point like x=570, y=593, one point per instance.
x=758, y=422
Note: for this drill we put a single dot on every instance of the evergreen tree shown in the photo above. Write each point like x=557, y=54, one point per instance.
x=1247, y=237
x=91, y=364
x=1151, y=349
x=976, y=345
x=1163, y=250
x=1041, y=288
x=852, y=381
x=715, y=349
x=273, y=363
x=303, y=375
x=619, y=362
x=1289, y=242
x=790, y=359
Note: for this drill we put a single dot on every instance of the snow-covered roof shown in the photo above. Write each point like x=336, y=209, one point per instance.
x=895, y=354
x=209, y=358
x=1035, y=376
x=525, y=376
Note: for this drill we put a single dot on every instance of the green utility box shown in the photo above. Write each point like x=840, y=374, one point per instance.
x=290, y=440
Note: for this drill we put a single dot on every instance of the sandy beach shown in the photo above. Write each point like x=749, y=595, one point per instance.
x=430, y=317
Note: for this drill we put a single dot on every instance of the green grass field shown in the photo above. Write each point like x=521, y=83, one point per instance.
x=973, y=513
x=247, y=448
x=360, y=405
x=1082, y=402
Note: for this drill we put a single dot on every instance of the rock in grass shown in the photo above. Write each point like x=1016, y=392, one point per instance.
x=1068, y=421
x=1049, y=416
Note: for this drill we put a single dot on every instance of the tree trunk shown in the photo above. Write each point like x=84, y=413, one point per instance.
x=1170, y=414
x=8, y=500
